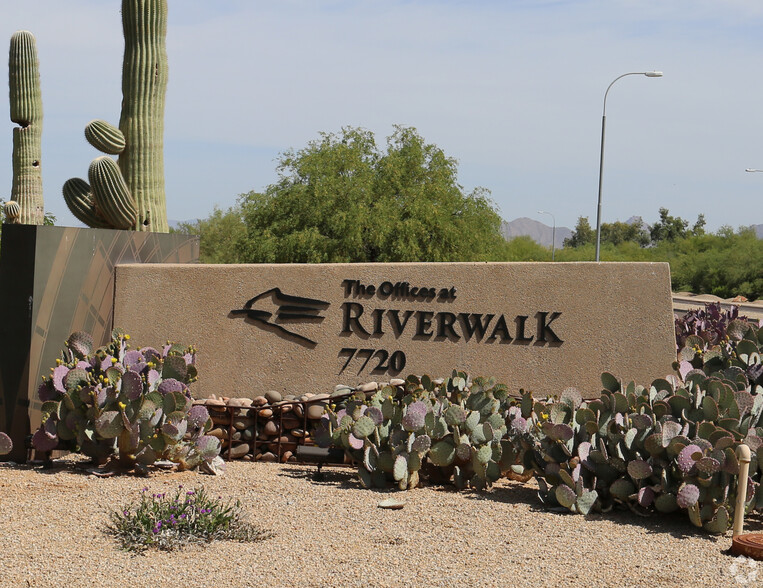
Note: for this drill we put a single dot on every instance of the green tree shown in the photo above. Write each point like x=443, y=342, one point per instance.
x=222, y=235
x=670, y=228
x=582, y=235
x=619, y=232
x=341, y=199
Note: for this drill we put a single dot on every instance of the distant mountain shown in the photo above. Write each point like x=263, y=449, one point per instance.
x=536, y=230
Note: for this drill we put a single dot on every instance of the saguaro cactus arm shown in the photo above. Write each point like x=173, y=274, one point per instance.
x=26, y=111
x=137, y=193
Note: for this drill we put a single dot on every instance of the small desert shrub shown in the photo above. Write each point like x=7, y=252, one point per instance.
x=168, y=521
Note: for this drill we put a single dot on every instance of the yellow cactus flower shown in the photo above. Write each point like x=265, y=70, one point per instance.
x=122, y=405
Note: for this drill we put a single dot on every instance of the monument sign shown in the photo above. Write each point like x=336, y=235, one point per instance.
x=308, y=327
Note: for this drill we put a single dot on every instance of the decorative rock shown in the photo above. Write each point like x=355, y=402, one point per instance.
x=290, y=422
x=392, y=503
x=270, y=428
x=369, y=387
x=259, y=401
x=397, y=382
x=236, y=436
x=247, y=457
x=298, y=432
x=214, y=402
x=315, y=411
x=248, y=434
x=219, y=433
x=237, y=451
x=342, y=388
x=299, y=411
x=242, y=423
x=265, y=413
x=273, y=396
x=268, y=456
x=287, y=455
x=240, y=402
x=220, y=420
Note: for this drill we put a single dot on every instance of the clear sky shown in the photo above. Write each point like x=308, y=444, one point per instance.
x=512, y=89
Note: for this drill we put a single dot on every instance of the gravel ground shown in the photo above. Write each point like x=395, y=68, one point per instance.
x=331, y=533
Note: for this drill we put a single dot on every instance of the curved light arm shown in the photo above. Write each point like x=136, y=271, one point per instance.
x=649, y=74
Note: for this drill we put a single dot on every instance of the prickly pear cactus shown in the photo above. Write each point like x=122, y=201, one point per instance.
x=26, y=112
x=661, y=448
x=443, y=431
x=130, y=404
x=137, y=199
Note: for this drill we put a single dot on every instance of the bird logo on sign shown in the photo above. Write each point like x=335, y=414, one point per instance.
x=285, y=310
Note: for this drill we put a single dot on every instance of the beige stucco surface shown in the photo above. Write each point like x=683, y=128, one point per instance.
x=614, y=317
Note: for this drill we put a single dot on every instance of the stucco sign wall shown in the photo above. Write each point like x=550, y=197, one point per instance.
x=296, y=327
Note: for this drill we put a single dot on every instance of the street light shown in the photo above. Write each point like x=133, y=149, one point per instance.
x=749, y=169
x=649, y=74
x=553, y=232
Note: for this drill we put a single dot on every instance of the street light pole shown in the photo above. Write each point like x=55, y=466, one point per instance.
x=749, y=169
x=649, y=74
x=553, y=233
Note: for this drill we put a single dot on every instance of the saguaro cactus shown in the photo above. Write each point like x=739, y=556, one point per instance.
x=136, y=199
x=26, y=111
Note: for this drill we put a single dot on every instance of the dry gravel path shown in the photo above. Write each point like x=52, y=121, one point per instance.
x=332, y=533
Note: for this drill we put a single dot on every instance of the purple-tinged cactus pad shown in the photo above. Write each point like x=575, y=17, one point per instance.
x=106, y=362
x=43, y=441
x=81, y=343
x=153, y=379
x=175, y=431
x=641, y=421
x=565, y=495
x=208, y=446
x=375, y=414
x=638, y=469
x=687, y=496
x=6, y=445
x=134, y=360
x=688, y=457
x=646, y=496
x=151, y=355
x=198, y=416
x=669, y=430
x=132, y=385
x=354, y=442
x=561, y=432
x=59, y=374
x=414, y=416
x=171, y=385
x=708, y=466
x=47, y=392
x=421, y=444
